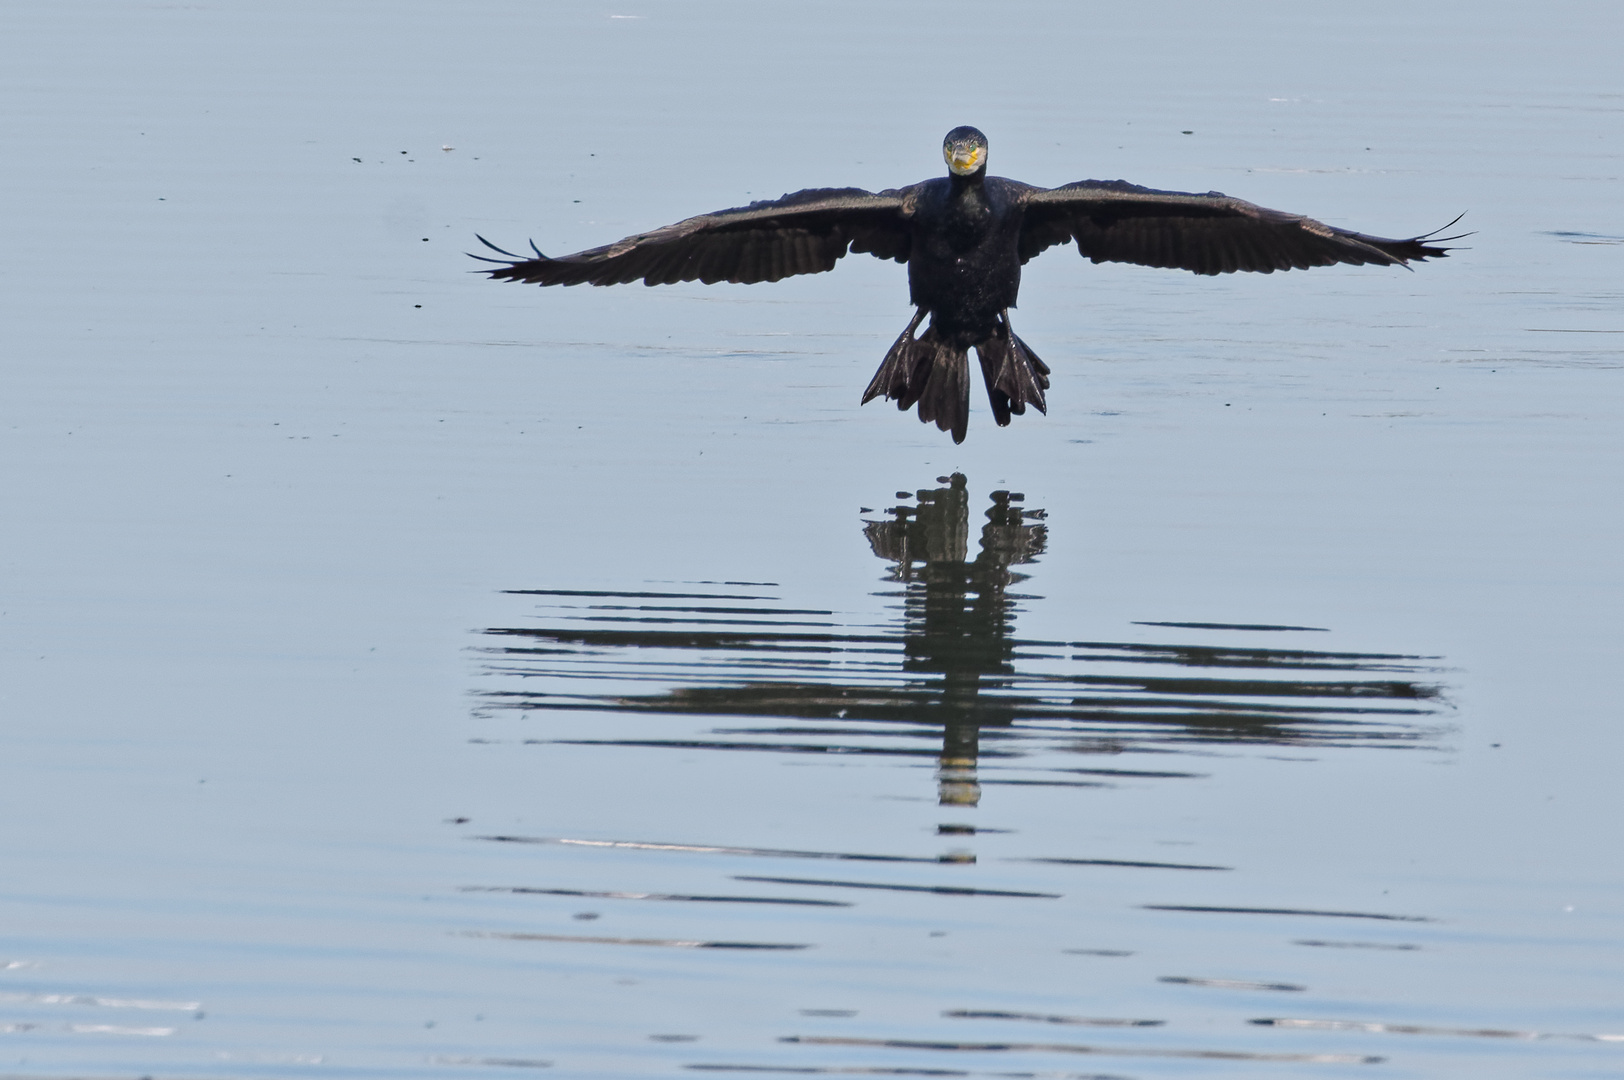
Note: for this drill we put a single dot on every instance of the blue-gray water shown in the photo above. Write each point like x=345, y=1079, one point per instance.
x=411, y=675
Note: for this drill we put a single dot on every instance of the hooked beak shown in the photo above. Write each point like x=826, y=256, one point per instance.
x=964, y=160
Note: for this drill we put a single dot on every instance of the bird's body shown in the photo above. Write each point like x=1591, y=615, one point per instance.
x=965, y=265
x=964, y=238
x=964, y=271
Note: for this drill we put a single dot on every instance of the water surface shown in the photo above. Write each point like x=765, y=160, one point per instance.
x=410, y=675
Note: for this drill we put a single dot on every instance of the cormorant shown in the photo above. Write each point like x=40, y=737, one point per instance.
x=965, y=237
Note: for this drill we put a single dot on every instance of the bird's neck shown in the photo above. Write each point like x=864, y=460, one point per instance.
x=967, y=199
x=968, y=210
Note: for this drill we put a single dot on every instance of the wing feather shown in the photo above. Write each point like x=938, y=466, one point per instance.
x=706, y=266
x=1114, y=221
x=806, y=232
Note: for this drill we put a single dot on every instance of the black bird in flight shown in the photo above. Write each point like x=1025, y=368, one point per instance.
x=965, y=237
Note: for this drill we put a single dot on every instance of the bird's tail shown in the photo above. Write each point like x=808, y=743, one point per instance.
x=929, y=371
x=1014, y=375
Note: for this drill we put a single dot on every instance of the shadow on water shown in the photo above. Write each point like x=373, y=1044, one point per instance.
x=950, y=668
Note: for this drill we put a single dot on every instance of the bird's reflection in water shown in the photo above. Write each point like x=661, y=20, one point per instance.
x=951, y=670
x=958, y=613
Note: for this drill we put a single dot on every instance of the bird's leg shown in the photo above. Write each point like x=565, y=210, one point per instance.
x=1014, y=375
x=997, y=357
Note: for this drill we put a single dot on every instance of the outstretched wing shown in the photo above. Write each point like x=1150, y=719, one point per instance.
x=1115, y=221
x=803, y=233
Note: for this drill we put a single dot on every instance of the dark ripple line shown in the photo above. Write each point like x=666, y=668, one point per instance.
x=919, y=729
x=1084, y=1021
x=695, y=622
x=944, y=890
x=716, y=849
x=669, y=943
x=783, y=748
x=693, y=610
x=524, y=890
x=988, y=781
x=710, y=639
x=879, y=1070
x=1144, y=774
x=634, y=595
x=1229, y=626
x=1229, y=984
x=1420, y=1029
x=1095, y=651
x=1285, y=911
x=1123, y=862
x=705, y=695
x=1207, y=652
x=1200, y=688
x=1079, y=1048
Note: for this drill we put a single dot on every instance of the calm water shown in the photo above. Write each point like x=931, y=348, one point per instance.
x=409, y=675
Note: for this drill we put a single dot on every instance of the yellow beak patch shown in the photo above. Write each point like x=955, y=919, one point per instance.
x=964, y=160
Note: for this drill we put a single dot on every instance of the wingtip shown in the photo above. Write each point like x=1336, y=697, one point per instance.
x=1433, y=240
x=1433, y=235
x=504, y=251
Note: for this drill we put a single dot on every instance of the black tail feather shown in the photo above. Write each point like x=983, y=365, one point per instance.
x=934, y=374
x=945, y=397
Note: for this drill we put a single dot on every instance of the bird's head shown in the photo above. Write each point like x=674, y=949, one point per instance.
x=965, y=149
